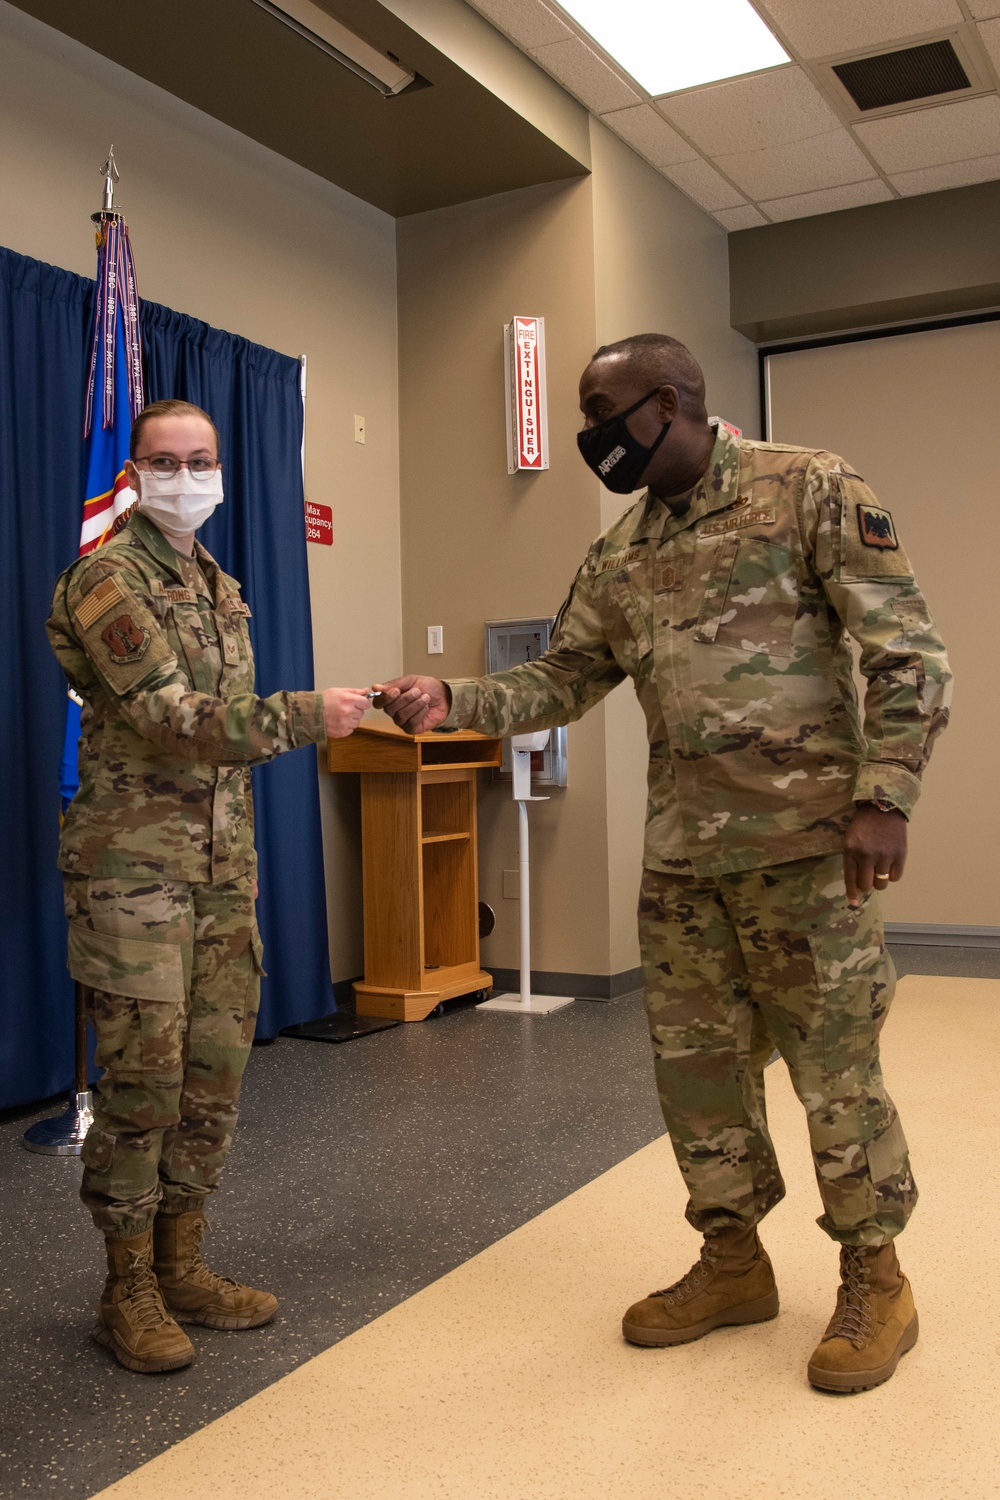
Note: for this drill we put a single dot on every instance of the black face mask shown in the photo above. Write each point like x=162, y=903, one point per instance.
x=617, y=458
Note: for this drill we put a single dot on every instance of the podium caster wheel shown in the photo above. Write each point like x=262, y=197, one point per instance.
x=438, y=1010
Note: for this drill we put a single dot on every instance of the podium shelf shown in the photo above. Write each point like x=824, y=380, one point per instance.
x=419, y=848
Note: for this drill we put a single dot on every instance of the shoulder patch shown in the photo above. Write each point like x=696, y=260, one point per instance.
x=126, y=641
x=875, y=528
x=869, y=546
x=103, y=597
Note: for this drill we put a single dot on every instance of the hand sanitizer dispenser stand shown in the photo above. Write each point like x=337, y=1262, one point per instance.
x=522, y=746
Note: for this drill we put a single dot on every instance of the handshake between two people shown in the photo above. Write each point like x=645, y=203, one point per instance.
x=416, y=704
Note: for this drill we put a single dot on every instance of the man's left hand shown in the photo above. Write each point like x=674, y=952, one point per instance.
x=874, y=851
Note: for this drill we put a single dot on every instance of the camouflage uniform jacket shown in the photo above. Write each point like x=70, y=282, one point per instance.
x=158, y=648
x=731, y=616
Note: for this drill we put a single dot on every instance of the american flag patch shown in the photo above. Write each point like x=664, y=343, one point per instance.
x=97, y=603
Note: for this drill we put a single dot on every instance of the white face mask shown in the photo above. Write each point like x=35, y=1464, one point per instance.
x=176, y=502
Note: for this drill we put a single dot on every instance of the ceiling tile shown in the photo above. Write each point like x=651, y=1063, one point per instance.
x=650, y=134
x=983, y=9
x=827, y=200
x=528, y=22
x=928, y=137
x=750, y=114
x=804, y=166
x=819, y=28
x=951, y=174
x=704, y=184
x=990, y=33
x=746, y=217
x=586, y=75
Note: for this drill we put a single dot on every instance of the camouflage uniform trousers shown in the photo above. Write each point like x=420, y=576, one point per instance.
x=774, y=957
x=172, y=976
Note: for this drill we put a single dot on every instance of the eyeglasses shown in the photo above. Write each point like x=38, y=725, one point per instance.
x=166, y=466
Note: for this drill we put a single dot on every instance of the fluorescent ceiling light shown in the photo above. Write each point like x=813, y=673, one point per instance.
x=319, y=27
x=668, y=45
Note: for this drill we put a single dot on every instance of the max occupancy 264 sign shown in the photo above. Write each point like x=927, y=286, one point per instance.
x=524, y=365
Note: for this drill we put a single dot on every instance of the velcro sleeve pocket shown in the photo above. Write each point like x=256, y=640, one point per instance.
x=125, y=966
x=121, y=635
x=869, y=546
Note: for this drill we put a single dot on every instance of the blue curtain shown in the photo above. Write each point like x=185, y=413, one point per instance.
x=44, y=316
x=257, y=535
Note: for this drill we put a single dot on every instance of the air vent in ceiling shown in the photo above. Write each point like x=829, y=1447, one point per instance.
x=903, y=77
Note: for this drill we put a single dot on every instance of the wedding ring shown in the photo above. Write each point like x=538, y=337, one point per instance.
x=880, y=876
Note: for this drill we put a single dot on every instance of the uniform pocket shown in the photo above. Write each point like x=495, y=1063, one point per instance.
x=252, y=1002
x=125, y=966
x=762, y=599
x=626, y=623
x=846, y=965
x=720, y=567
x=98, y=1150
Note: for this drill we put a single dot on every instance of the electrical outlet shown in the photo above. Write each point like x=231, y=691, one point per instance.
x=359, y=428
x=512, y=885
x=435, y=640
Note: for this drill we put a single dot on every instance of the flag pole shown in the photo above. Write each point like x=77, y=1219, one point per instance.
x=63, y=1135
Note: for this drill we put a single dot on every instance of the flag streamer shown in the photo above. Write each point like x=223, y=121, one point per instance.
x=116, y=311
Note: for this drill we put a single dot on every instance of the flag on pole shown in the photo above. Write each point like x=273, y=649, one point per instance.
x=114, y=399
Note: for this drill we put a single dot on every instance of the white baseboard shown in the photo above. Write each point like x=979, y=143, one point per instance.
x=931, y=934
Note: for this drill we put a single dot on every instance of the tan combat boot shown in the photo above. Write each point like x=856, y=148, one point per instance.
x=874, y=1325
x=193, y=1293
x=733, y=1282
x=131, y=1318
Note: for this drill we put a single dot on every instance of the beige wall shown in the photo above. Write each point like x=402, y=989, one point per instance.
x=894, y=262
x=623, y=252
x=661, y=266
x=479, y=544
x=911, y=413
x=228, y=231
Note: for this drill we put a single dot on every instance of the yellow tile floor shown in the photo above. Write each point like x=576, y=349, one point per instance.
x=508, y=1379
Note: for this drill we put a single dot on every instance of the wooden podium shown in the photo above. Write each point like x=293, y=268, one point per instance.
x=419, y=851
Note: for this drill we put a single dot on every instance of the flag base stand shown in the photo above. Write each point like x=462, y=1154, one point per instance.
x=63, y=1134
x=532, y=1005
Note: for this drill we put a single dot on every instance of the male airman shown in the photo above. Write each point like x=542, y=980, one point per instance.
x=727, y=593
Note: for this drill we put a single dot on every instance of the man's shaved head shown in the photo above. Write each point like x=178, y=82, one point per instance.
x=655, y=359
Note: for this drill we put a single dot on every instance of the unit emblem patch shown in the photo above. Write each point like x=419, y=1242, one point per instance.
x=126, y=641
x=876, y=528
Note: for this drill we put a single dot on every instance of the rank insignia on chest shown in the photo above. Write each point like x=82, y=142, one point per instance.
x=126, y=641
x=667, y=578
x=876, y=528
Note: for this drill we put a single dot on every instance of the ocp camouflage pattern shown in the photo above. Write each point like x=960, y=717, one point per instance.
x=744, y=962
x=172, y=977
x=732, y=614
x=158, y=647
